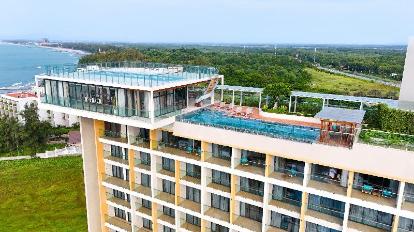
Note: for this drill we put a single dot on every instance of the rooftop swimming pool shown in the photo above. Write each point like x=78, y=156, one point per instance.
x=220, y=119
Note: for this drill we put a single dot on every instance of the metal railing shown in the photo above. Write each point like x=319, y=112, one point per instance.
x=325, y=179
x=285, y=199
x=252, y=190
x=139, y=141
x=292, y=172
x=220, y=181
x=376, y=190
x=187, y=149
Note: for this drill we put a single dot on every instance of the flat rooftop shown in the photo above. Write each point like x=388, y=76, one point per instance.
x=139, y=74
x=21, y=95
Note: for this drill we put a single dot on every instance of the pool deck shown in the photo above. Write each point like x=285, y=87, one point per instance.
x=256, y=115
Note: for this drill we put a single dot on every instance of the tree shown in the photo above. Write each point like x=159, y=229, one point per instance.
x=277, y=91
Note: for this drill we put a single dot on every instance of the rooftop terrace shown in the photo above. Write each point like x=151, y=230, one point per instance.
x=132, y=73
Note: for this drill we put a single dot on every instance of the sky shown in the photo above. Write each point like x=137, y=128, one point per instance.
x=210, y=21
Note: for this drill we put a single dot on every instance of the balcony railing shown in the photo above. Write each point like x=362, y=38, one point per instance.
x=117, y=200
x=118, y=222
x=369, y=222
x=292, y=172
x=287, y=200
x=376, y=190
x=116, y=181
x=108, y=155
x=139, y=141
x=252, y=190
x=94, y=106
x=164, y=196
x=176, y=149
x=220, y=181
x=327, y=211
x=131, y=73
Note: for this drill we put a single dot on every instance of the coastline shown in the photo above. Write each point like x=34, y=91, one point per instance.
x=68, y=50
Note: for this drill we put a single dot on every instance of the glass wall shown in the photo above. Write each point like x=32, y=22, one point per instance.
x=171, y=100
x=220, y=202
x=291, y=196
x=311, y=227
x=326, y=205
x=251, y=186
x=284, y=222
x=251, y=211
x=220, y=151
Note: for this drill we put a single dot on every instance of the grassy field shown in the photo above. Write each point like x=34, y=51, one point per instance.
x=333, y=83
x=42, y=195
x=27, y=151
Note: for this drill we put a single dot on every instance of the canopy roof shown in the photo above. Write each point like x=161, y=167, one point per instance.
x=342, y=115
x=367, y=100
x=240, y=88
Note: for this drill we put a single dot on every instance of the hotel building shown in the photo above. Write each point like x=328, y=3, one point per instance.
x=159, y=156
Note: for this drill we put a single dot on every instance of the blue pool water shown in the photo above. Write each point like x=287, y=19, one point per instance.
x=220, y=119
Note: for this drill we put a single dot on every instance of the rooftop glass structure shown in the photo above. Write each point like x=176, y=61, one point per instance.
x=132, y=73
x=208, y=117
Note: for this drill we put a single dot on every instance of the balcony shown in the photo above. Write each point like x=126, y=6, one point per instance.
x=252, y=193
x=142, y=164
x=118, y=222
x=115, y=136
x=193, y=177
x=116, y=181
x=109, y=156
x=217, y=213
x=165, y=217
x=189, y=204
x=180, y=150
x=291, y=171
x=408, y=203
x=365, y=219
x=116, y=200
x=247, y=223
x=139, y=141
x=219, y=184
x=190, y=227
x=328, y=184
x=142, y=209
x=252, y=162
x=286, y=203
x=374, y=193
x=139, y=188
x=142, y=229
x=366, y=225
x=325, y=213
x=218, y=159
x=165, y=196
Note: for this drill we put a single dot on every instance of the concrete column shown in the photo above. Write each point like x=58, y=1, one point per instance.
x=296, y=101
x=260, y=101
x=400, y=196
x=241, y=97
x=268, y=165
x=235, y=157
x=232, y=99
x=351, y=175
x=131, y=159
x=395, y=223
x=306, y=174
x=177, y=181
x=154, y=216
x=346, y=216
x=290, y=103
x=323, y=103
x=266, y=194
x=303, y=209
x=151, y=106
x=233, y=198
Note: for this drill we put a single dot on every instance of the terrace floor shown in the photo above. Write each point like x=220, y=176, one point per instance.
x=116, y=139
x=363, y=228
x=406, y=205
x=145, y=211
x=285, y=177
x=117, y=181
x=219, y=187
x=119, y=201
x=218, y=214
x=191, y=205
x=250, y=196
x=191, y=179
x=251, y=169
x=163, y=196
x=248, y=223
x=323, y=216
x=116, y=159
x=166, y=218
x=118, y=222
x=167, y=173
x=179, y=152
x=218, y=161
x=191, y=227
x=328, y=187
x=143, y=167
x=143, y=190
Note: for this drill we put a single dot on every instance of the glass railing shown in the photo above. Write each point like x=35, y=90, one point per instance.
x=292, y=172
x=219, y=213
x=131, y=73
x=139, y=141
x=376, y=190
x=191, y=204
x=109, y=156
x=117, y=200
x=370, y=222
x=164, y=196
x=387, y=139
x=221, y=181
x=326, y=210
x=118, y=222
x=165, y=170
x=409, y=197
x=252, y=190
x=94, y=107
x=220, y=156
x=145, y=162
x=285, y=199
x=284, y=225
x=326, y=179
x=193, y=174
x=116, y=181
x=187, y=149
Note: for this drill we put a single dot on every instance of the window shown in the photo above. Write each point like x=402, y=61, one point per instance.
x=192, y=219
x=221, y=178
x=220, y=151
x=193, y=194
x=117, y=172
x=288, y=195
x=251, y=211
x=147, y=204
x=251, y=186
x=253, y=158
x=167, y=101
x=310, y=227
x=120, y=213
x=193, y=170
x=168, y=211
x=121, y=195
x=145, y=180
x=145, y=158
x=168, y=164
x=167, y=229
x=168, y=187
x=147, y=223
x=292, y=167
x=220, y=202
x=370, y=217
x=218, y=228
x=117, y=152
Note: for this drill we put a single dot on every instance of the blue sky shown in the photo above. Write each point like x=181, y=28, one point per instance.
x=211, y=21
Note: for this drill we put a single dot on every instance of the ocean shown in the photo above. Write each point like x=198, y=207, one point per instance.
x=19, y=64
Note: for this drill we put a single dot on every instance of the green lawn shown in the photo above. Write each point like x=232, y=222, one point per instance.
x=28, y=151
x=339, y=84
x=42, y=195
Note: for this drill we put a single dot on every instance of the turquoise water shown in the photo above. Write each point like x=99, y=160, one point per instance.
x=19, y=64
x=277, y=130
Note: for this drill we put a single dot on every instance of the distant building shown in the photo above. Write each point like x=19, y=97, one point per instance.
x=13, y=104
